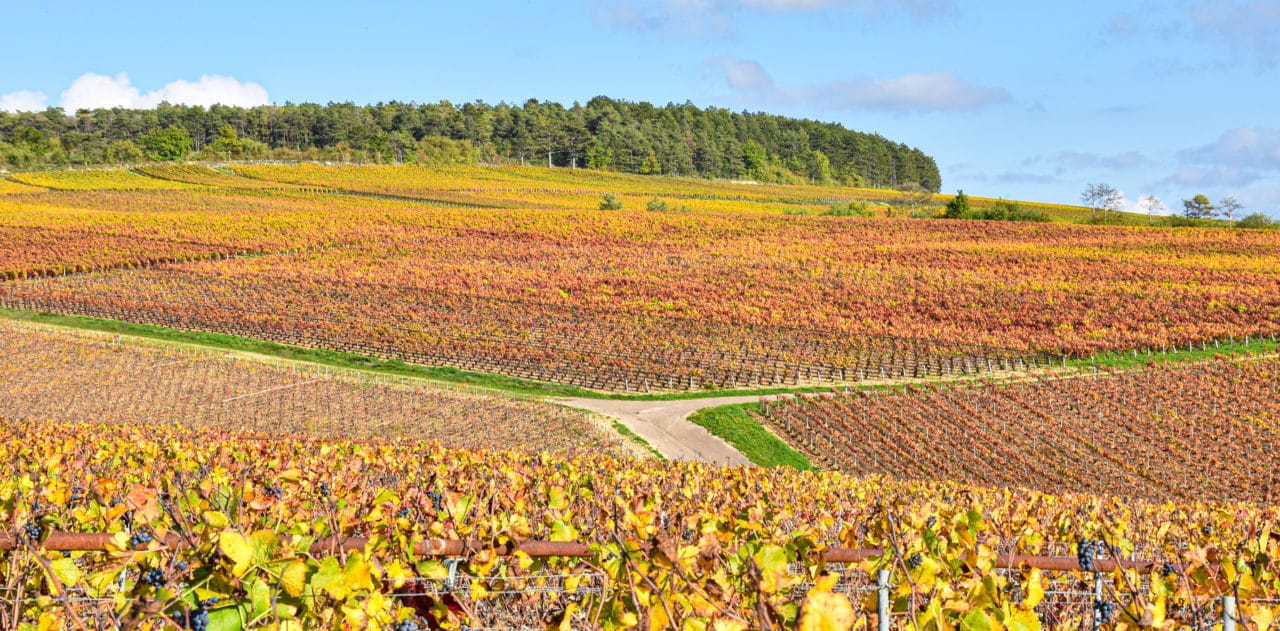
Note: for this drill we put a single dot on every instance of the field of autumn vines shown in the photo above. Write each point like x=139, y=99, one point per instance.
x=52, y=375
x=1205, y=430
x=145, y=486
x=230, y=530
x=517, y=271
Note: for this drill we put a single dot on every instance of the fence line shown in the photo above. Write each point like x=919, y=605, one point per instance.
x=101, y=542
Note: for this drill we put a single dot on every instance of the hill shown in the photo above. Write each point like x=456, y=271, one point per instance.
x=678, y=139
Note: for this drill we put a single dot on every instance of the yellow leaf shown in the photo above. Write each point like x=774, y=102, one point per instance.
x=1034, y=589
x=824, y=611
x=294, y=578
x=238, y=549
x=357, y=575
x=1023, y=621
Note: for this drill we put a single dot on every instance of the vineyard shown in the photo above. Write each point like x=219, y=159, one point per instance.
x=48, y=375
x=161, y=527
x=1205, y=430
x=516, y=271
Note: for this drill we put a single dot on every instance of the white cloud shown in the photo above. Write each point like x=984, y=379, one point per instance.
x=941, y=91
x=23, y=101
x=92, y=91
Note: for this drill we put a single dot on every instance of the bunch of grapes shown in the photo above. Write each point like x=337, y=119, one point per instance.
x=1086, y=551
x=140, y=537
x=914, y=561
x=437, y=499
x=154, y=577
x=32, y=531
x=1103, y=609
x=407, y=625
x=198, y=620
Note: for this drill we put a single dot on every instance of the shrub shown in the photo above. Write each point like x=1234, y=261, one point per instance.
x=1007, y=211
x=657, y=205
x=848, y=209
x=1258, y=221
x=610, y=202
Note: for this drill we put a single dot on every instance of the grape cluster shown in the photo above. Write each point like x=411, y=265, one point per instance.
x=198, y=620
x=1086, y=551
x=1168, y=570
x=140, y=537
x=914, y=561
x=933, y=521
x=437, y=499
x=32, y=531
x=407, y=625
x=154, y=577
x=324, y=489
x=1103, y=609
x=405, y=513
x=274, y=492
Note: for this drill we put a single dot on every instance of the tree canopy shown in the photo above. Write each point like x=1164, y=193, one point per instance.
x=604, y=133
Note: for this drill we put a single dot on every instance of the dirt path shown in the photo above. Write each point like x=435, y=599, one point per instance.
x=666, y=426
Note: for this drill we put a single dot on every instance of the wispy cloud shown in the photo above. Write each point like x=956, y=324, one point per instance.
x=1064, y=162
x=1255, y=148
x=925, y=92
x=1250, y=25
x=703, y=16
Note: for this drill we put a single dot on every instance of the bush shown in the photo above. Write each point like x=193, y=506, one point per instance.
x=958, y=207
x=1258, y=221
x=657, y=205
x=850, y=208
x=610, y=202
x=1007, y=211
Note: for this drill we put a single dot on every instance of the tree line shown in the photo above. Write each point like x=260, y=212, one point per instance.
x=675, y=139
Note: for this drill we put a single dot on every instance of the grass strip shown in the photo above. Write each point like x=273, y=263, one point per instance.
x=736, y=426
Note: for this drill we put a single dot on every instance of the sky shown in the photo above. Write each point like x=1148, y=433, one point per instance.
x=1015, y=99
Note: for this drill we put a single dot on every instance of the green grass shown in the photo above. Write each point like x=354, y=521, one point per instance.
x=638, y=439
x=736, y=426
x=1131, y=359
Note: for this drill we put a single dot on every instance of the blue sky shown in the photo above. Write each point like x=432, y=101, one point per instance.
x=1028, y=100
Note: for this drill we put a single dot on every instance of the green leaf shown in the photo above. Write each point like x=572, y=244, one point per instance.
x=433, y=570
x=260, y=597
x=563, y=532
x=215, y=519
x=329, y=579
x=557, y=499
x=66, y=571
x=977, y=620
x=226, y=619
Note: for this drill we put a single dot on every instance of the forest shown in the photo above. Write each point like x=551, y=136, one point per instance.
x=608, y=134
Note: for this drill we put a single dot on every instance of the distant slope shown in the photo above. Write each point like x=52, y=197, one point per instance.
x=630, y=137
